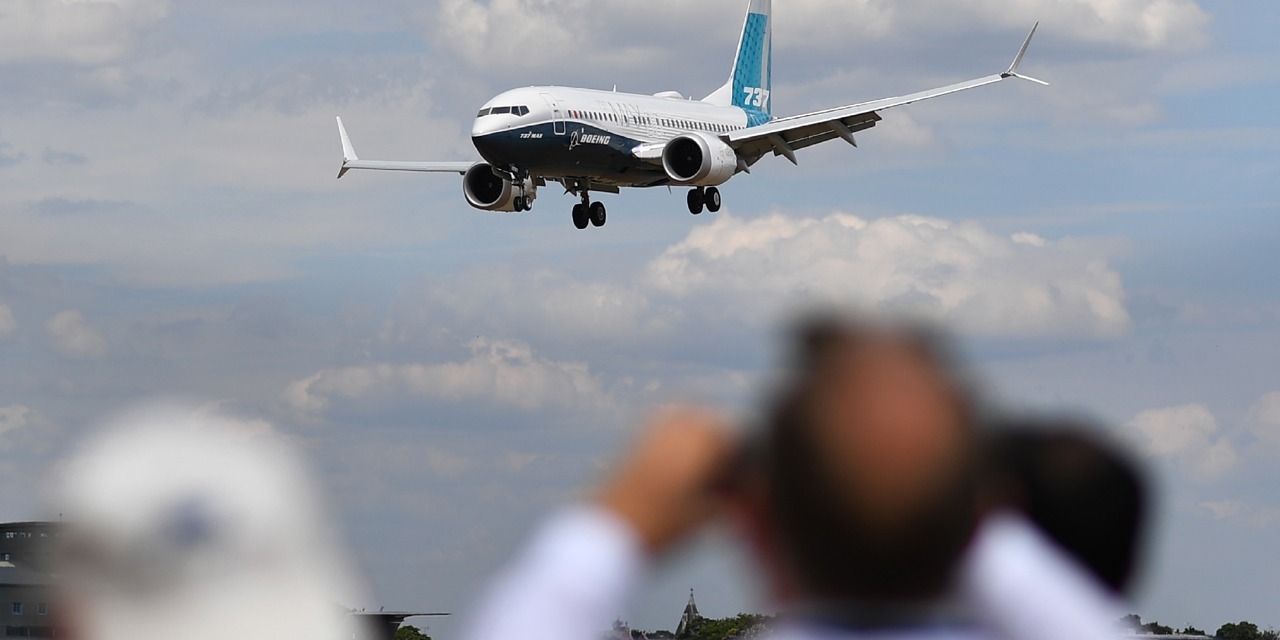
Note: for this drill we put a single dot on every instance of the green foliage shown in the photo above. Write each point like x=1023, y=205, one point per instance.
x=1239, y=631
x=1155, y=628
x=410, y=632
x=743, y=625
x=1192, y=631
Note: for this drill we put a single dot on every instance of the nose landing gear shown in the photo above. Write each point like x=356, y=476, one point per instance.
x=526, y=188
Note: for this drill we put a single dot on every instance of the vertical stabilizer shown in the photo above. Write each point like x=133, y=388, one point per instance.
x=751, y=80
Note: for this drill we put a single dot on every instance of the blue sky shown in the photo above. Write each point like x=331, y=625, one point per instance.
x=170, y=226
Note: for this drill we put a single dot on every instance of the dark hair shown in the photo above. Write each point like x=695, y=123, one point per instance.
x=839, y=551
x=1085, y=494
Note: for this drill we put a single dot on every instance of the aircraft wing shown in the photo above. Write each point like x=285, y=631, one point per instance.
x=785, y=136
x=351, y=161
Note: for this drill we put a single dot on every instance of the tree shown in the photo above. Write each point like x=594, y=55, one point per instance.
x=1239, y=631
x=1157, y=629
x=410, y=632
x=743, y=625
x=1192, y=631
x=1132, y=621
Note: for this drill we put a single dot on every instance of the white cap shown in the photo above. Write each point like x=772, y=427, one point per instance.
x=184, y=527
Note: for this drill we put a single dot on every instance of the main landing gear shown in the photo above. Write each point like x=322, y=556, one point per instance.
x=704, y=197
x=589, y=213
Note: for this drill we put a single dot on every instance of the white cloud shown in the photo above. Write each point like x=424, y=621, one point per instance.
x=1189, y=434
x=24, y=428
x=164, y=240
x=8, y=323
x=1224, y=509
x=1148, y=24
x=12, y=418
x=1262, y=517
x=1264, y=418
x=516, y=462
x=505, y=29
x=444, y=463
x=73, y=336
x=220, y=413
x=958, y=272
x=509, y=374
x=531, y=34
x=85, y=32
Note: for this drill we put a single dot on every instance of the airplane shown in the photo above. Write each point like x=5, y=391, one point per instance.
x=601, y=141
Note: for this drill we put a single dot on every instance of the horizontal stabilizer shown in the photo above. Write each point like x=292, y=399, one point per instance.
x=351, y=161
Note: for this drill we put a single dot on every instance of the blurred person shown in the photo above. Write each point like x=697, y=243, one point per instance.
x=1062, y=536
x=1080, y=489
x=184, y=526
x=859, y=500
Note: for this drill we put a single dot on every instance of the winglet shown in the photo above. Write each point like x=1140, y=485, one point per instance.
x=1013, y=68
x=348, y=151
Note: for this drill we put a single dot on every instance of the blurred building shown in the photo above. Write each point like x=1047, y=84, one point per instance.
x=382, y=625
x=26, y=581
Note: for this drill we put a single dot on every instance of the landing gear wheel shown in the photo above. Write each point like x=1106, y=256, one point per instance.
x=696, y=201
x=521, y=203
x=713, y=199
x=598, y=215
x=580, y=216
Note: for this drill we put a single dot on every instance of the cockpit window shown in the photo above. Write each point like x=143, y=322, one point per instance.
x=516, y=111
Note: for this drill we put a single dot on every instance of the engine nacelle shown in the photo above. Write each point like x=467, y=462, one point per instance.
x=699, y=159
x=489, y=191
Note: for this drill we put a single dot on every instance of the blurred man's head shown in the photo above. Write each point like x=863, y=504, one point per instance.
x=1082, y=491
x=868, y=467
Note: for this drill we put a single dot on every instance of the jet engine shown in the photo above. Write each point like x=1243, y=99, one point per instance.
x=489, y=191
x=699, y=159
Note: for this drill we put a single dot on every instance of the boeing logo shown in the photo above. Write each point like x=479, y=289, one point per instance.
x=579, y=138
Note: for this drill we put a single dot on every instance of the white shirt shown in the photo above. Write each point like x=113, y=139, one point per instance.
x=569, y=583
x=580, y=569
x=1027, y=588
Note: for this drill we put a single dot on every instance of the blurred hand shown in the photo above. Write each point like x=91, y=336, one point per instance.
x=667, y=487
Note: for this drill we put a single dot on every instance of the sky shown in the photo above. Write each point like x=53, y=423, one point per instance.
x=170, y=226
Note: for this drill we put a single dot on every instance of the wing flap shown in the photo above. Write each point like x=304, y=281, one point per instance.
x=802, y=136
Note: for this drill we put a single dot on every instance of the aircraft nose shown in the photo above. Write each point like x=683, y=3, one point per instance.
x=489, y=146
x=484, y=126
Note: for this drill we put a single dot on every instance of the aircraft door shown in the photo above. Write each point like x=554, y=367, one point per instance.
x=557, y=114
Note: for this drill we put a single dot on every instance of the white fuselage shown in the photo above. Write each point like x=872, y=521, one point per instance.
x=592, y=135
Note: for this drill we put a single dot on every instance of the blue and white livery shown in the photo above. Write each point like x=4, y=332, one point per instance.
x=602, y=141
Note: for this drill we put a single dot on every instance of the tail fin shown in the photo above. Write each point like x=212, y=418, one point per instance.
x=751, y=81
